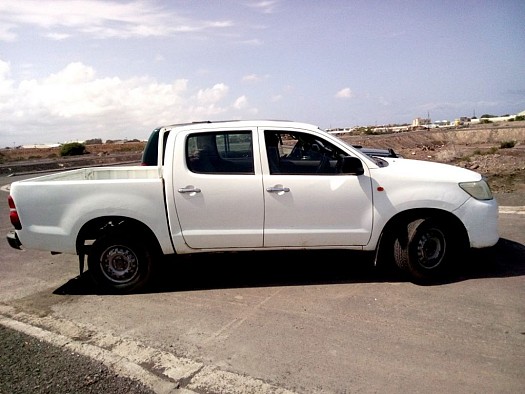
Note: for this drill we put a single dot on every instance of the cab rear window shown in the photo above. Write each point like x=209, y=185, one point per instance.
x=150, y=155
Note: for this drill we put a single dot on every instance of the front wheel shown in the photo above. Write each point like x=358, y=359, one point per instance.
x=119, y=264
x=424, y=249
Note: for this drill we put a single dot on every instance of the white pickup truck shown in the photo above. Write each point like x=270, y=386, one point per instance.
x=250, y=186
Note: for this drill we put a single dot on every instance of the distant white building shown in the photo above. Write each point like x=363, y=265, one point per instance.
x=501, y=118
x=40, y=146
x=421, y=122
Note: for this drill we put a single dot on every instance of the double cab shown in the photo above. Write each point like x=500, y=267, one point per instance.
x=256, y=185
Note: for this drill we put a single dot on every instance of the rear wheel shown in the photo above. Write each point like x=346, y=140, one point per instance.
x=119, y=264
x=424, y=249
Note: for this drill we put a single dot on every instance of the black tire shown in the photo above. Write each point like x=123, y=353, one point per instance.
x=424, y=249
x=120, y=265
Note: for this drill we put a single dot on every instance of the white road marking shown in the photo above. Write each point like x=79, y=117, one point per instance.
x=513, y=210
x=127, y=357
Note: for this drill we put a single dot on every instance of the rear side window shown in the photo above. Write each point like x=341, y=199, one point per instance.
x=150, y=155
x=220, y=152
x=151, y=151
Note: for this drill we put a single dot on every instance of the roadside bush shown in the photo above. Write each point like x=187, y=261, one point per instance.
x=72, y=149
x=94, y=141
x=491, y=151
x=507, y=144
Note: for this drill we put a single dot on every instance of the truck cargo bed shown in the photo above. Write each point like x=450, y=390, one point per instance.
x=102, y=173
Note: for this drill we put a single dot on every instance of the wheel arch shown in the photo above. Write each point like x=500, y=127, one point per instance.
x=110, y=225
x=399, y=221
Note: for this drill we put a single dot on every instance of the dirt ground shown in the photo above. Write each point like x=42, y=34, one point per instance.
x=12, y=156
x=23, y=160
x=482, y=149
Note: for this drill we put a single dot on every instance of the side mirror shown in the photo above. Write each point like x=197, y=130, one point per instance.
x=350, y=165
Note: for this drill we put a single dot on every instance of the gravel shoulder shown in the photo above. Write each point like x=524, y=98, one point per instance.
x=45, y=368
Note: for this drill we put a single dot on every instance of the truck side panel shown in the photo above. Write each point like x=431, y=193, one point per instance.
x=53, y=212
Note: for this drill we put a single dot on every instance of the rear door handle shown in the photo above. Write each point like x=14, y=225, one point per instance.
x=277, y=189
x=189, y=189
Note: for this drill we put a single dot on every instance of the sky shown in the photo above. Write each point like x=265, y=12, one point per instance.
x=72, y=70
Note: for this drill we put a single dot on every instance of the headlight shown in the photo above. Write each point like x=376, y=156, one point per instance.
x=480, y=190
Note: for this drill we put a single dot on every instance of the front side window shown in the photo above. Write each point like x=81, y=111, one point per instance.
x=220, y=152
x=300, y=153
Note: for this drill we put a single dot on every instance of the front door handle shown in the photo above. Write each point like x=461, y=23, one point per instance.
x=189, y=189
x=277, y=189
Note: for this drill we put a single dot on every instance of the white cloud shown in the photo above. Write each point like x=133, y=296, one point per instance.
x=240, y=103
x=76, y=103
x=4, y=69
x=57, y=36
x=251, y=78
x=344, y=93
x=254, y=78
x=252, y=42
x=6, y=33
x=6, y=85
x=212, y=95
x=73, y=73
x=100, y=19
x=265, y=6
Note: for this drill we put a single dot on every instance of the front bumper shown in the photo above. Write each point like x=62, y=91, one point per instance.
x=12, y=239
x=480, y=218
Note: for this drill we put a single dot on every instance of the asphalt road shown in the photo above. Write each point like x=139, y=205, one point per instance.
x=267, y=323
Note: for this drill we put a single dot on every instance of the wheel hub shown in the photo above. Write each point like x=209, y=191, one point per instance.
x=431, y=248
x=119, y=264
